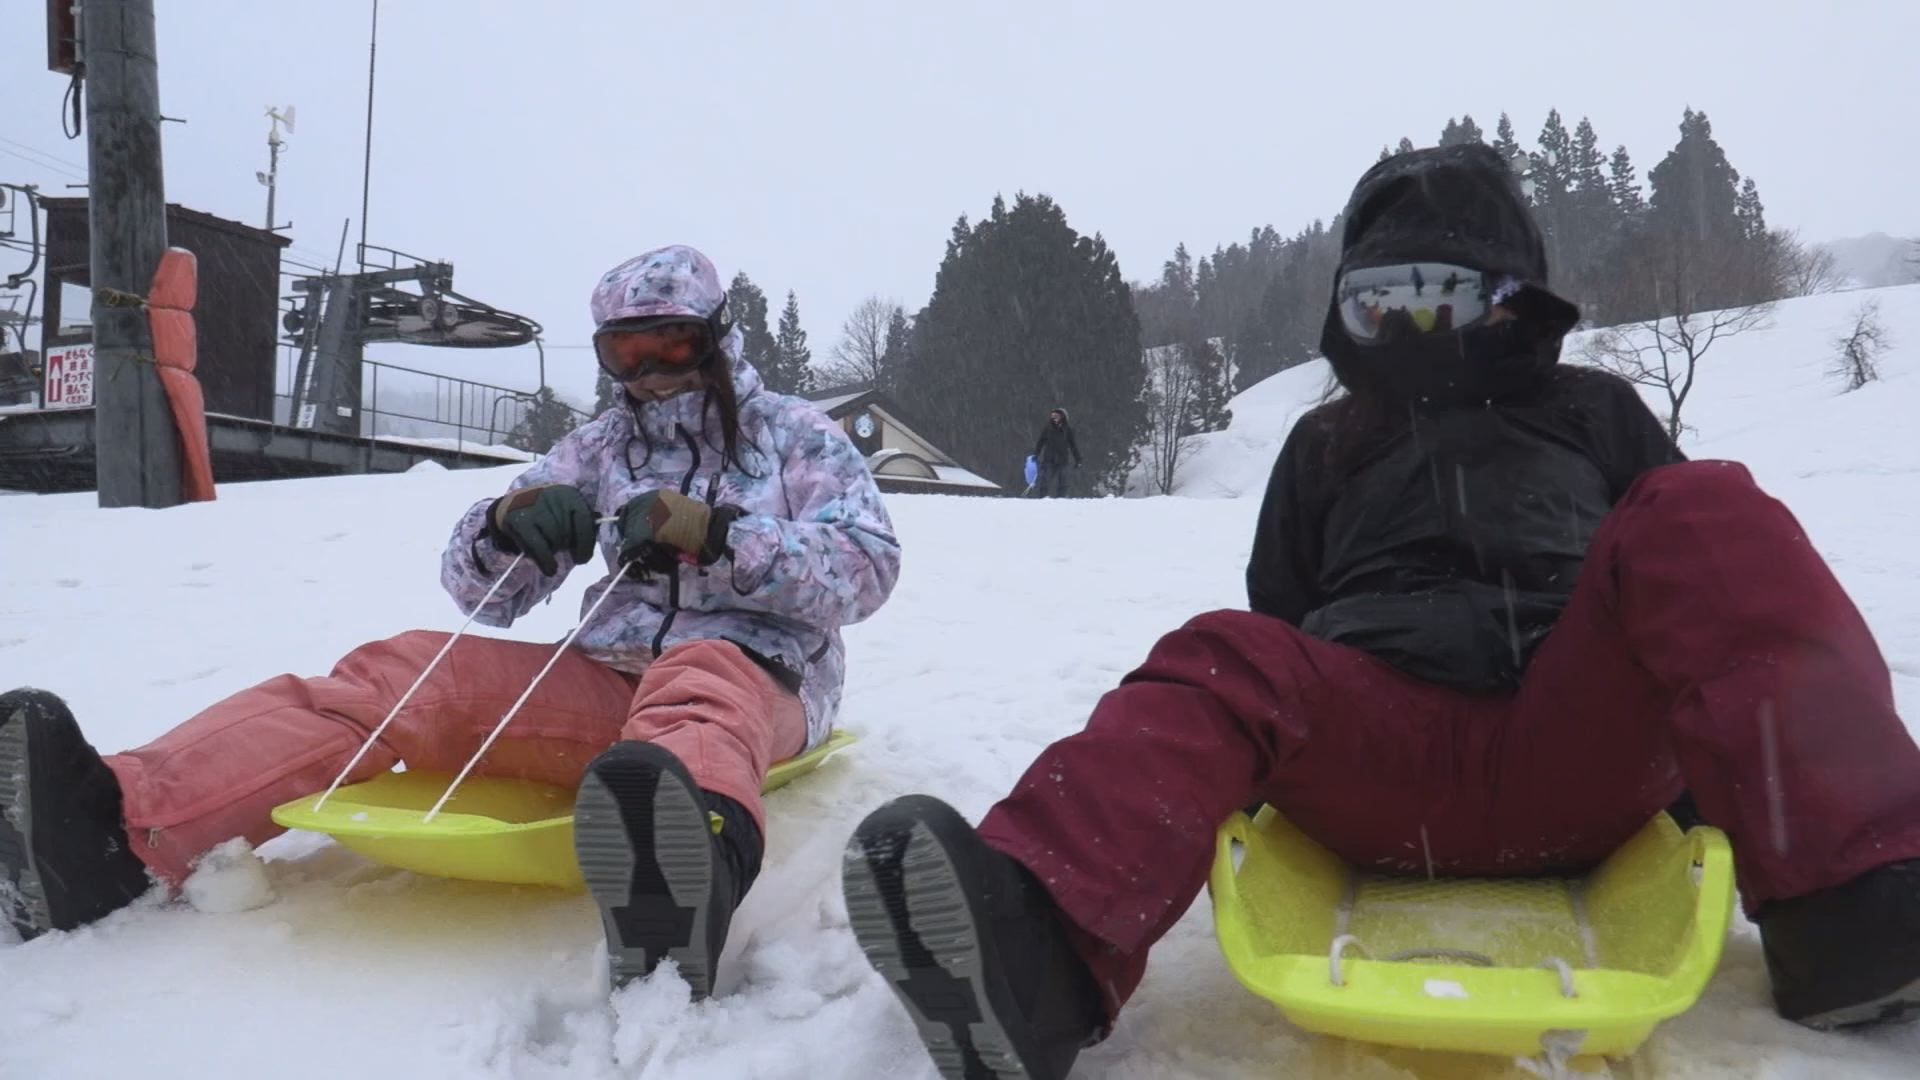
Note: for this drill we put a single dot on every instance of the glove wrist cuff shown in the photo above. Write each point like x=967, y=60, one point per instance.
x=719, y=526
x=494, y=532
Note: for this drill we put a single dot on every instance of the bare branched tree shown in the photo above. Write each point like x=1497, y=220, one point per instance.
x=860, y=357
x=1858, y=352
x=1172, y=391
x=1665, y=353
x=1807, y=270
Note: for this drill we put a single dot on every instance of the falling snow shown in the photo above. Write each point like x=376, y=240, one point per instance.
x=983, y=657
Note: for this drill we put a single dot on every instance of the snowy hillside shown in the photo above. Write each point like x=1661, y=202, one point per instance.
x=1745, y=383
x=1010, y=620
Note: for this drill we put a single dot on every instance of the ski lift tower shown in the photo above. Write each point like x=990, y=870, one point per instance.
x=409, y=300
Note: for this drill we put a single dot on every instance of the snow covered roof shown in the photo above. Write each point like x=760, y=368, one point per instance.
x=918, y=470
x=505, y=453
x=827, y=405
x=954, y=474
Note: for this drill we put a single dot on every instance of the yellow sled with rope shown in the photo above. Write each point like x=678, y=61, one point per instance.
x=491, y=829
x=1535, y=968
x=478, y=828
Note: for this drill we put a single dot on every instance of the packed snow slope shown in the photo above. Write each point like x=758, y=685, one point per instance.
x=1011, y=618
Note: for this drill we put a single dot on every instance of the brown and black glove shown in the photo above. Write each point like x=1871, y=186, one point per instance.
x=663, y=527
x=541, y=521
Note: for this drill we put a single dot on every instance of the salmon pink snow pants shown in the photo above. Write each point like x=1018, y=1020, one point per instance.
x=220, y=774
x=1706, y=645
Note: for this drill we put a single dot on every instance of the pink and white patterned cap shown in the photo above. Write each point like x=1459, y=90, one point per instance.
x=673, y=280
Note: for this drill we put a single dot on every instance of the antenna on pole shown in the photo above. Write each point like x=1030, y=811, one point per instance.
x=366, y=167
x=271, y=178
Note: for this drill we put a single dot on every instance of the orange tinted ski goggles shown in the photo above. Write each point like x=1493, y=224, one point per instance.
x=671, y=346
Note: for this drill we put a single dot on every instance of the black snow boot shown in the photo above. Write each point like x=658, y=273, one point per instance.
x=666, y=862
x=64, y=856
x=1849, y=955
x=971, y=943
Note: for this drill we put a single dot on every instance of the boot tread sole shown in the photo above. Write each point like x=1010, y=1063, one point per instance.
x=679, y=842
x=22, y=893
x=1902, y=1006
x=930, y=891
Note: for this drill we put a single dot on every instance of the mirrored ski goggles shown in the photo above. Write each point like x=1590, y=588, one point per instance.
x=673, y=346
x=1382, y=304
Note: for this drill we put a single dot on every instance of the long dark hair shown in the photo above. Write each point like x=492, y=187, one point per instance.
x=722, y=396
x=1355, y=420
x=725, y=399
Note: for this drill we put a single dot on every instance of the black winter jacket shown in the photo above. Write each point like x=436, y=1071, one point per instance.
x=1056, y=446
x=1448, y=546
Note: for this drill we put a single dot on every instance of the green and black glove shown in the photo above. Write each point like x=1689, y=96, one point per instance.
x=660, y=528
x=542, y=520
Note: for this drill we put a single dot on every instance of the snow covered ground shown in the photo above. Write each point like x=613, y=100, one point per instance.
x=1011, y=618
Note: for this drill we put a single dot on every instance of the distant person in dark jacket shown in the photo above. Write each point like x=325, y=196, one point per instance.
x=1053, y=449
x=1495, y=624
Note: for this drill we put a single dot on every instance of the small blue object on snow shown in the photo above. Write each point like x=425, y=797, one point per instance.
x=1033, y=470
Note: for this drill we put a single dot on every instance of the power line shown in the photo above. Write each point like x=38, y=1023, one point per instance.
x=47, y=154
x=41, y=158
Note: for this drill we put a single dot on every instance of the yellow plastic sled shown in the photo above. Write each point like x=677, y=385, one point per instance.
x=1510, y=966
x=493, y=829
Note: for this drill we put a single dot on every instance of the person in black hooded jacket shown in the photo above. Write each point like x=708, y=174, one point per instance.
x=1052, y=450
x=1496, y=622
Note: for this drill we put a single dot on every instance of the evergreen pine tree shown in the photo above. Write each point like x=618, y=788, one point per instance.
x=606, y=392
x=1461, y=132
x=792, y=360
x=1551, y=173
x=1589, y=164
x=1553, y=164
x=1589, y=222
x=1695, y=190
x=1624, y=185
x=1208, y=410
x=546, y=421
x=1176, y=274
x=1708, y=245
x=1752, y=215
x=897, y=354
x=1507, y=146
x=1027, y=315
x=747, y=305
x=1282, y=328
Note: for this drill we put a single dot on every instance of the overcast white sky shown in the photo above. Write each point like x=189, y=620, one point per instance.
x=828, y=147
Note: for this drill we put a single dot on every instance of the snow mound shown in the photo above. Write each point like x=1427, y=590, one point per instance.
x=228, y=879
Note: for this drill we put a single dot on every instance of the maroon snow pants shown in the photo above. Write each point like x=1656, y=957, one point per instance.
x=1706, y=645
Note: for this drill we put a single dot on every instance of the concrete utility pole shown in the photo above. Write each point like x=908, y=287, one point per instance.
x=136, y=444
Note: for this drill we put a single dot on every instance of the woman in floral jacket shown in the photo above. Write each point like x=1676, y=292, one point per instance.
x=750, y=531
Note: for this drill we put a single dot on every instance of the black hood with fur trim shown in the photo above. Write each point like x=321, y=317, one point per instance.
x=1462, y=205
